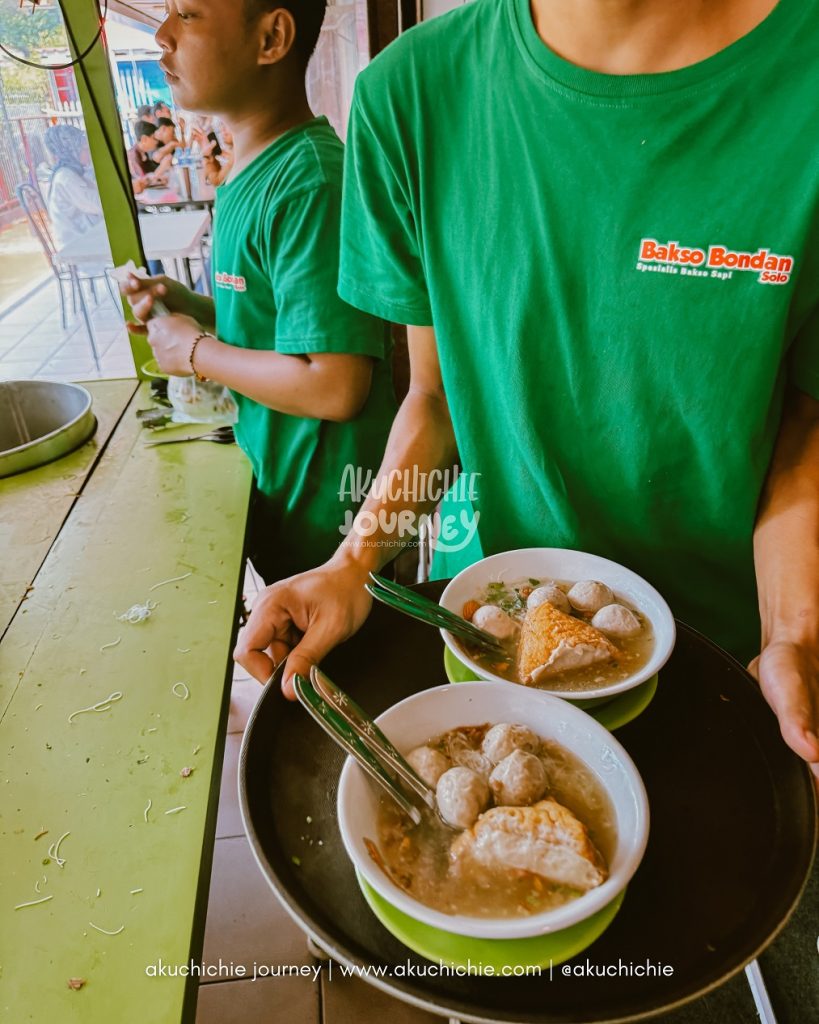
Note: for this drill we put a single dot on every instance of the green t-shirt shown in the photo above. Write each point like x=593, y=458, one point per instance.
x=621, y=272
x=275, y=268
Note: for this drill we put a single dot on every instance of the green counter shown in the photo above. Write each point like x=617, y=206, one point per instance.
x=109, y=777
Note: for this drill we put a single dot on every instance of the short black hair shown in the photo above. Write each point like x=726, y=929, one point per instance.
x=146, y=108
x=307, y=14
x=166, y=122
x=158, y=104
x=143, y=128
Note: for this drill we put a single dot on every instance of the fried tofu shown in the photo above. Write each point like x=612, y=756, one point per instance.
x=552, y=642
x=546, y=839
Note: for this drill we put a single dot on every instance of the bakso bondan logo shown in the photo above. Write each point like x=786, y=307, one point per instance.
x=234, y=281
x=718, y=261
x=448, y=530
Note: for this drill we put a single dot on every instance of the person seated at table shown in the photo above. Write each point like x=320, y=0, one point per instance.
x=72, y=198
x=166, y=135
x=217, y=154
x=143, y=167
x=310, y=374
x=161, y=109
x=146, y=113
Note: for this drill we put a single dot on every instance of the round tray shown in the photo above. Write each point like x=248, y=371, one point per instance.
x=732, y=838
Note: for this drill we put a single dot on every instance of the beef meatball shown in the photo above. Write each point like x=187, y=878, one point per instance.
x=552, y=593
x=495, y=621
x=429, y=764
x=589, y=596
x=505, y=737
x=618, y=621
x=519, y=780
x=461, y=796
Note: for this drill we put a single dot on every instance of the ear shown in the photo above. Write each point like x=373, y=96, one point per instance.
x=277, y=34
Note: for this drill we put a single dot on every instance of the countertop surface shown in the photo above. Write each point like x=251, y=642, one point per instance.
x=103, y=717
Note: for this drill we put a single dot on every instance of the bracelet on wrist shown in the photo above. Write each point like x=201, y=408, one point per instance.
x=196, y=340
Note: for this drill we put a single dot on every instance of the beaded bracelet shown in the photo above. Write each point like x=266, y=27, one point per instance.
x=196, y=341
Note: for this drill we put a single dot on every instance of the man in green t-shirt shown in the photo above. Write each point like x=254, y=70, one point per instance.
x=603, y=222
x=310, y=373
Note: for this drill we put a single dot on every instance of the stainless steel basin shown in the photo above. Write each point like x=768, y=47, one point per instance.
x=41, y=420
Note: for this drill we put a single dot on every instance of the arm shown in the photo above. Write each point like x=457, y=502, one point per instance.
x=164, y=166
x=134, y=165
x=307, y=615
x=786, y=555
x=322, y=364
x=422, y=436
x=166, y=150
x=216, y=171
x=324, y=386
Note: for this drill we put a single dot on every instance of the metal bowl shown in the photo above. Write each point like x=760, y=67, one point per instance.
x=41, y=420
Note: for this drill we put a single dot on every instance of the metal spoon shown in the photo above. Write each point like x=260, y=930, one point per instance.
x=221, y=435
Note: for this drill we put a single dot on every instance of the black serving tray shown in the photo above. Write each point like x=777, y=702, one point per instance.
x=732, y=840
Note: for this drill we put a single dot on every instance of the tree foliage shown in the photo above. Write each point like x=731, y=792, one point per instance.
x=27, y=29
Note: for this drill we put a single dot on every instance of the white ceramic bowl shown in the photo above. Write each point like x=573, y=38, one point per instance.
x=564, y=564
x=431, y=712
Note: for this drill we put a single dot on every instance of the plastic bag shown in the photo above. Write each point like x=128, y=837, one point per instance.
x=196, y=401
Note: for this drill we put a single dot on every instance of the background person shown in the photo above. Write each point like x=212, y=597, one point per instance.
x=141, y=163
x=71, y=196
x=310, y=374
x=146, y=113
x=165, y=135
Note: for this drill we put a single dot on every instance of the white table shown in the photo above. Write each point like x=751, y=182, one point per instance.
x=185, y=185
x=174, y=236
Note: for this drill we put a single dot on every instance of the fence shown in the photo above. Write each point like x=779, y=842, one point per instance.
x=23, y=156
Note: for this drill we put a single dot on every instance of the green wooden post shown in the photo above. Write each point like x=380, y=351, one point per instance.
x=102, y=124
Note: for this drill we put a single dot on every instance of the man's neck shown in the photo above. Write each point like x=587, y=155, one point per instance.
x=254, y=130
x=638, y=37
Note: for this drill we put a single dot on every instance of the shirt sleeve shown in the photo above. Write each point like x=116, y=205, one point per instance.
x=381, y=267
x=804, y=356
x=134, y=165
x=302, y=261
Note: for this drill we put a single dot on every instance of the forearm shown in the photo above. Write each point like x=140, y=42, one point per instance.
x=422, y=437
x=786, y=537
x=326, y=387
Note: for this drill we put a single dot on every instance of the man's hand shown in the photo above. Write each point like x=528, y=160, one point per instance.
x=142, y=292
x=172, y=338
x=786, y=554
x=206, y=145
x=788, y=675
x=302, y=619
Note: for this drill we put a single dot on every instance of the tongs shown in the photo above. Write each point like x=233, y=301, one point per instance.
x=353, y=730
x=411, y=603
